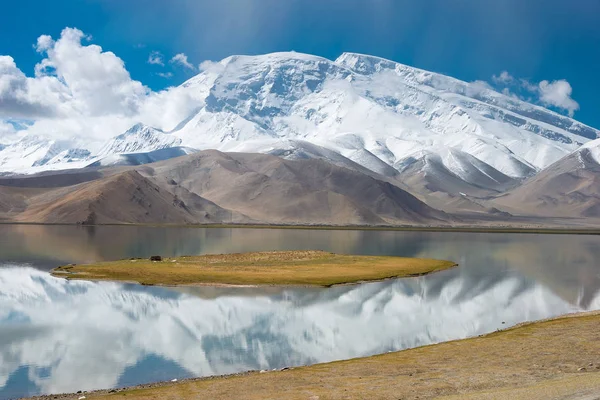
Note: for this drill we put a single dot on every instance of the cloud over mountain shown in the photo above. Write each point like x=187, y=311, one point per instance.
x=81, y=90
x=554, y=94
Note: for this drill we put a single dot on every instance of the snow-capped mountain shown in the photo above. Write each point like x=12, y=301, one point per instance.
x=139, y=138
x=377, y=113
x=36, y=151
x=34, y=154
x=372, y=111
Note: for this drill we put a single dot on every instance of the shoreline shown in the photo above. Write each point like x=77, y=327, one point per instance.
x=566, y=377
x=391, y=228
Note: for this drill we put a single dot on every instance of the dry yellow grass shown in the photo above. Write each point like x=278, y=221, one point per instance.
x=556, y=359
x=315, y=268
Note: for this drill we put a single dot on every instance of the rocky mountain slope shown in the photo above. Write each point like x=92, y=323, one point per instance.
x=269, y=188
x=215, y=187
x=122, y=197
x=570, y=187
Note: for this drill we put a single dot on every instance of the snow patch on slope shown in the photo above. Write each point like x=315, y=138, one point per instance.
x=460, y=164
x=142, y=158
x=593, y=148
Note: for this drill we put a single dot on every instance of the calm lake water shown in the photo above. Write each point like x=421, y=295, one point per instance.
x=58, y=336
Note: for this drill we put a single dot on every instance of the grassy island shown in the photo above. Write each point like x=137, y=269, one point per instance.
x=307, y=268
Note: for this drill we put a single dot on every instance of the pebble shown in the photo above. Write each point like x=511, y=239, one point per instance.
x=173, y=380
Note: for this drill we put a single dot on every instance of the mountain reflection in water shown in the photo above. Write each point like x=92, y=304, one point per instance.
x=71, y=336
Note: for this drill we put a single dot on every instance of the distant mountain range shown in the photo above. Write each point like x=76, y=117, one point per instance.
x=421, y=147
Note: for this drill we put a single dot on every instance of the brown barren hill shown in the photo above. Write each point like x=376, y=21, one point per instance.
x=568, y=188
x=274, y=190
x=125, y=197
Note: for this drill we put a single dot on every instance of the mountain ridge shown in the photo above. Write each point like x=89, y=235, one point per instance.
x=457, y=146
x=294, y=96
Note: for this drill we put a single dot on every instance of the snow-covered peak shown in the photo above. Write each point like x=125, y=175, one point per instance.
x=260, y=88
x=369, y=65
x=31, y=151
x=373, y=111
x=282, y=57
x=137, y=139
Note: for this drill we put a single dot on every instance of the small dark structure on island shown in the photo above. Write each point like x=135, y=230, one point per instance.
x=155, y=258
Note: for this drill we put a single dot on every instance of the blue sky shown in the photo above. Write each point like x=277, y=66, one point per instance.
x=469, y=39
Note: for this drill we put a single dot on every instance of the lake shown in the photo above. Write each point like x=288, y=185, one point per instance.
x=58, y=336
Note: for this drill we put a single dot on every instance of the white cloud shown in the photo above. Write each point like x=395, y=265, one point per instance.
x=182, y=59
x=504, y=78
x=558, y=94
x=156, y=58
x=166, y=75
x=6, y=128
x=44, y=43
x=23, y=97
x=97, y=80
x=529, y=86
x=555, y=94
x=81, y=91
x=8, y=132
x=478, y=88
x=211, y=66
